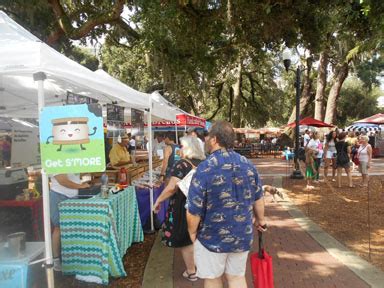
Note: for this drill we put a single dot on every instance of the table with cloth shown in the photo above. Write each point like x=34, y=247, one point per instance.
x=142, y=194
x=96, y=232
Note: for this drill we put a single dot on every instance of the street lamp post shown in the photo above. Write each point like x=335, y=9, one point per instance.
x=296, y=174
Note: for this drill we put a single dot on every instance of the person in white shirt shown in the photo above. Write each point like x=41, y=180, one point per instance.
x=307, y=137
x=329, y=155
x=315, y=145
x=63, y=187
x=193, y=132
x=132, y=149
x=158, y=144
x=365, y=157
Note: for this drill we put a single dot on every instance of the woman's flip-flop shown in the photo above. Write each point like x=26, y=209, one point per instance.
x=190, y=277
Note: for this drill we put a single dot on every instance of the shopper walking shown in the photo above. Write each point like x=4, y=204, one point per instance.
x=224, y=200
x=175, y=232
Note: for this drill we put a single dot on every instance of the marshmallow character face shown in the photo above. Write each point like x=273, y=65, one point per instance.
x=70, y=131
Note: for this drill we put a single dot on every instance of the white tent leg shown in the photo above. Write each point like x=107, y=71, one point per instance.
x=39, y=77
x=177, y=137
x=47, y=231
x=150, y=161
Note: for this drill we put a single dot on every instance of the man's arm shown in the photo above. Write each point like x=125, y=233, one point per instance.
x=195, y=195
x=193, y=223
x=258, y=210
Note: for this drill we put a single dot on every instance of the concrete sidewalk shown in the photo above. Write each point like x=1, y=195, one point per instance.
x=298, y=259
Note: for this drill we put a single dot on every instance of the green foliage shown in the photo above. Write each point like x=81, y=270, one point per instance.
x=84, y=57
x=352, y=95
x=369, y=71
x=189, y=49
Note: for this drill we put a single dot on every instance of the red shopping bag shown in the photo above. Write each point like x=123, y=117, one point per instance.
x=261, y=266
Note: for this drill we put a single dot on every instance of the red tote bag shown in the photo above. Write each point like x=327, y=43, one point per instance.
x=261, y=266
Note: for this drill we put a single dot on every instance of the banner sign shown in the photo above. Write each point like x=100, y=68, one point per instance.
x=137, y=118
x=25, y=146
x=189, y=120
x=71, y=139
x=182, y=120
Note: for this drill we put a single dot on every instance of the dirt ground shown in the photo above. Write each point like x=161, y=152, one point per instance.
x=343, y=213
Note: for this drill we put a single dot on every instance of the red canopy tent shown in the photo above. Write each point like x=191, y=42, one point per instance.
x=309, y=121
x=374, y=119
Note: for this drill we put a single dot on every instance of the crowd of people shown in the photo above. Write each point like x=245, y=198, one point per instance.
x=213, y=222
x=338, y=152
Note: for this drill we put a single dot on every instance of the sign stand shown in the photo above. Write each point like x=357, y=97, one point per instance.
x=40, y=77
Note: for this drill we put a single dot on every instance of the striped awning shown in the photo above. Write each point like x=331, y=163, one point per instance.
x=363, y=128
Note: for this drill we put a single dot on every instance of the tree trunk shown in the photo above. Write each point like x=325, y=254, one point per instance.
x=236, y=119
x=305, y=93
x=340, y=75
x=321, y=84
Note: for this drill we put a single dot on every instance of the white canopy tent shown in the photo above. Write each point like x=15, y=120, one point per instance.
x=161, y=108
x=24, y=59
x=22, y=55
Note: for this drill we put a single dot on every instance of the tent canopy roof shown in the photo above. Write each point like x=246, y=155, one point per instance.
x=374, y=119
x=22, y=55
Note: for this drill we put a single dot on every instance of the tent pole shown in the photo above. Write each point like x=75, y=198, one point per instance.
x=177, y=138
x=40, y=77
x=150, y=155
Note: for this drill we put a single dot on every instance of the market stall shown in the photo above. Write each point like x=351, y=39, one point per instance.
x=374, y=131
x=378, y=135
x=24, y=62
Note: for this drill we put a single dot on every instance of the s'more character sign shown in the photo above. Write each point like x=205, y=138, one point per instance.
x=70, y=131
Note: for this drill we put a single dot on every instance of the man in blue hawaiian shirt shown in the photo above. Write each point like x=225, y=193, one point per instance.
x=225, y=200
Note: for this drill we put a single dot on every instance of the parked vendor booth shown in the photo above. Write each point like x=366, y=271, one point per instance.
x=373, y=126
x=375, y=132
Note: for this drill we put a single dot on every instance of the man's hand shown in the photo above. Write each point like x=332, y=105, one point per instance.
x=262, y=228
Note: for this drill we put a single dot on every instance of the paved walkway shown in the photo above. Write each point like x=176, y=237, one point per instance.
x=298, y=260
x=293, y=241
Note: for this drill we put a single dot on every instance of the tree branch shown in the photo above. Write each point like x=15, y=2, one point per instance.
x=66, y=27
x=193, y=106
x=230, y=104
x=218, y=97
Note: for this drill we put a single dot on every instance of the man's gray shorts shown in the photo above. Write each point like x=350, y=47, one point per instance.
x=212, y=265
